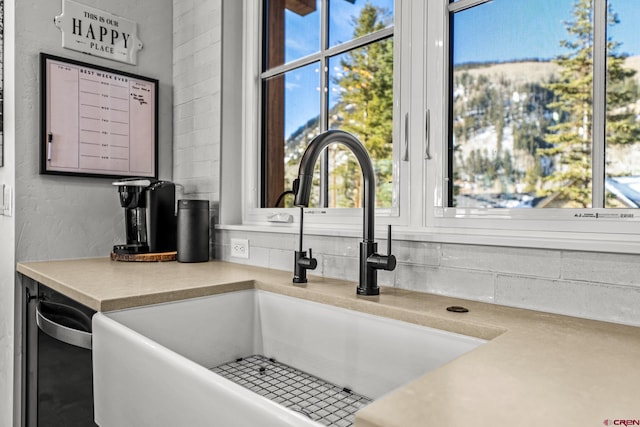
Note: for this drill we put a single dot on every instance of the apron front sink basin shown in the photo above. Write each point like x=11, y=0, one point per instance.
x=161, y=365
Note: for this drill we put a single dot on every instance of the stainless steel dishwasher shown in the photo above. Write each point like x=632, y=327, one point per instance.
x=57, y=366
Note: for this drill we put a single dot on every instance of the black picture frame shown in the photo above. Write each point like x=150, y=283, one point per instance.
x=95, y=121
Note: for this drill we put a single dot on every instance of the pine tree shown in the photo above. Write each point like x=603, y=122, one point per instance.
x=571, y=137
x=367, y=106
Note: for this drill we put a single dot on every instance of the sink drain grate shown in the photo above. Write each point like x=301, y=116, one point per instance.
x=321, y=401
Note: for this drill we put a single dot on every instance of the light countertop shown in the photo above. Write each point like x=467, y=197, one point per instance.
x=537, y=369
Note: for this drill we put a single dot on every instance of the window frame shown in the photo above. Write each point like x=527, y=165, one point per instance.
x=253, y=75
x=557, y=228
x=421, y=40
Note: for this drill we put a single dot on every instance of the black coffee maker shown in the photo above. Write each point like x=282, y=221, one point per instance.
x=149, y=211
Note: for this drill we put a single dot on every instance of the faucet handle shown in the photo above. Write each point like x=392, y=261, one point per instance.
x=390, y=259
x=311, y=263
x=383, y=262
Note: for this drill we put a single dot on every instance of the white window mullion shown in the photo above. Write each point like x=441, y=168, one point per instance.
x=435, y=91
x=324, y=102
x=599, y=101
x=324, y=66
x=251, y=117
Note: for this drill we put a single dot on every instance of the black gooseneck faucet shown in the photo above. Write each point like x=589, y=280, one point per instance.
x=370, y=261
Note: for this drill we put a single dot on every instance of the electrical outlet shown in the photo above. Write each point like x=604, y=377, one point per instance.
x=240, y=248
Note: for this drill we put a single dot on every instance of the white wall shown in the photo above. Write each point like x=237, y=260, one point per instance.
x=65, y=217
x=71, y=217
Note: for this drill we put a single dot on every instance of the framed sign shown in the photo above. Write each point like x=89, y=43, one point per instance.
x=96, y=121
x=97, y=32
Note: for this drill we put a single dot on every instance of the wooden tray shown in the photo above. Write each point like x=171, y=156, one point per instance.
x=149, y=257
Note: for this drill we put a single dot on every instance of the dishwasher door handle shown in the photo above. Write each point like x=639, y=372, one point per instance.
x=64, y=323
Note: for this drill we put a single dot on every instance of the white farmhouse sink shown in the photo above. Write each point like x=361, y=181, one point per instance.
x=152, y=364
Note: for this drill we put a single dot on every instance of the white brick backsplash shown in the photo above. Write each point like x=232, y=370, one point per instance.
x=180, y=7
x=286, y=242
x=182, y=53
x=223, y=237
x=201, y=137
x=387, y=278
x=526, y=262
x=203, y=41
x=204, y=104
x=282, y=241
x=202, y=121
x=280, y=259
x=204, y=58
x=340, y=267
x=182, y=94
x=208, y=86
x=184, y=126
x=201, y=168
x=197, y=36
x=184, y=33
x=414, y=252
x=468, y=284
x=184, y=110
x=257, y=256
x=201, y=186
x=606, y=268
x=582, y=299
x=597, y=286
x=341, y=246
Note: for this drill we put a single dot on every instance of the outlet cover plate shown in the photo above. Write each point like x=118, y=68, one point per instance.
x=240, y=248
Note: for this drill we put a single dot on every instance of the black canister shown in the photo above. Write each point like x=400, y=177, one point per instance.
x=193, y=230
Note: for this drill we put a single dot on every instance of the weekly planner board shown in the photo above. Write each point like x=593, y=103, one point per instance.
x=97, y=121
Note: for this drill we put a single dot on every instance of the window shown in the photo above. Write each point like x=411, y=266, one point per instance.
x=493, y=140
x=327, y=64
x=544, y=108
